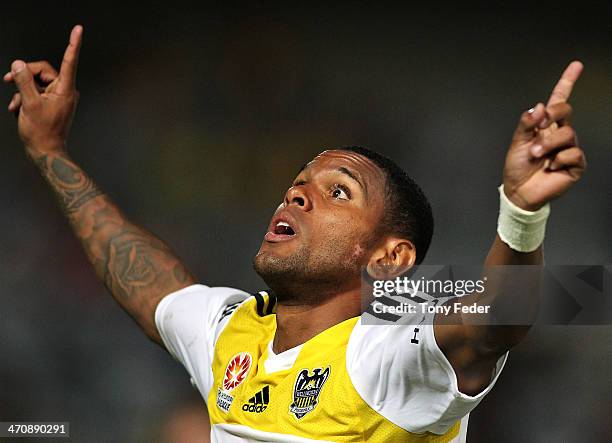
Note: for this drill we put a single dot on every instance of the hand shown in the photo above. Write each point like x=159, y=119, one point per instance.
x=45, y=105
x=544, y=160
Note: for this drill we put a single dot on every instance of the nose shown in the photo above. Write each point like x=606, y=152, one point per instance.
x=297, y=195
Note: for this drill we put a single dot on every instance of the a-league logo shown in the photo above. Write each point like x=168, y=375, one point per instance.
x=235, y=373
x=306, y=391
x=237, y=370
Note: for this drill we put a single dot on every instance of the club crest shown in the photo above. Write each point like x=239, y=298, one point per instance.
x=306, y=391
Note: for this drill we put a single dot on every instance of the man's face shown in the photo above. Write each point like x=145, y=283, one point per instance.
x=321, y=234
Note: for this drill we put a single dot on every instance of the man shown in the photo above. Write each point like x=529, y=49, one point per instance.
x=296, y=363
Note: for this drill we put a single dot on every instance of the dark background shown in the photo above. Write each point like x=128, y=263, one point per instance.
x=196, y=121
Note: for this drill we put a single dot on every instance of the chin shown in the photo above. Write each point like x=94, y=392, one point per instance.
x=279, y=270
x=281, y=258
x=267, y=263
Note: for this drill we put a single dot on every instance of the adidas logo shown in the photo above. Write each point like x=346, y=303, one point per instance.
x=259, y=402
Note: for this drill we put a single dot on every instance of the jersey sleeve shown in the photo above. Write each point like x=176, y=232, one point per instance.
x=189, y=322
x=401, y=373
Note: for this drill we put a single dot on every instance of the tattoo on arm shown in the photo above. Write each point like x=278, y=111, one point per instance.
x=137, y=267
x=71, y=185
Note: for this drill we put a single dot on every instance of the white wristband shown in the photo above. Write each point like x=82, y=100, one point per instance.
x=522, y=230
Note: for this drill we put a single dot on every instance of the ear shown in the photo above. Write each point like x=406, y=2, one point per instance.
x=392, y=258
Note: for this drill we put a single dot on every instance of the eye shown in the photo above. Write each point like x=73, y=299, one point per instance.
x=340, y=192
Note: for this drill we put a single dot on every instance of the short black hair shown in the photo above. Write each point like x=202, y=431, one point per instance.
x=408, y=213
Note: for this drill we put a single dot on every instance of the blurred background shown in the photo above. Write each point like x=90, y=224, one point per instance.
x=196, y=120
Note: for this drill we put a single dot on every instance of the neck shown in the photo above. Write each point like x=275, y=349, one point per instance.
x=296, y=324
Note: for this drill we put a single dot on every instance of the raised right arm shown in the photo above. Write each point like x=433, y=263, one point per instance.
x=136, y=267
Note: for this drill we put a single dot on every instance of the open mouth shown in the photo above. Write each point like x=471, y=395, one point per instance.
x=280, y=230
x=283, y=228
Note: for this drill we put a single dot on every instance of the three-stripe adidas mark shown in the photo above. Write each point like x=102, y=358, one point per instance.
x=259, y=402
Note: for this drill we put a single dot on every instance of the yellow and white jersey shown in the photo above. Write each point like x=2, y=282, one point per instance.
x=350, y=383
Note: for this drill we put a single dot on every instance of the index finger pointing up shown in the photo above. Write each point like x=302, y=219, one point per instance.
x=564, y=86
x=68, y=70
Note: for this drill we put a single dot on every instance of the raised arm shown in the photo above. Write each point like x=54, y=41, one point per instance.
x=542, y=163
x=136, y=267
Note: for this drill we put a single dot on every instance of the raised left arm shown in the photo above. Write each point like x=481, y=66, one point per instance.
x=542, y=163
